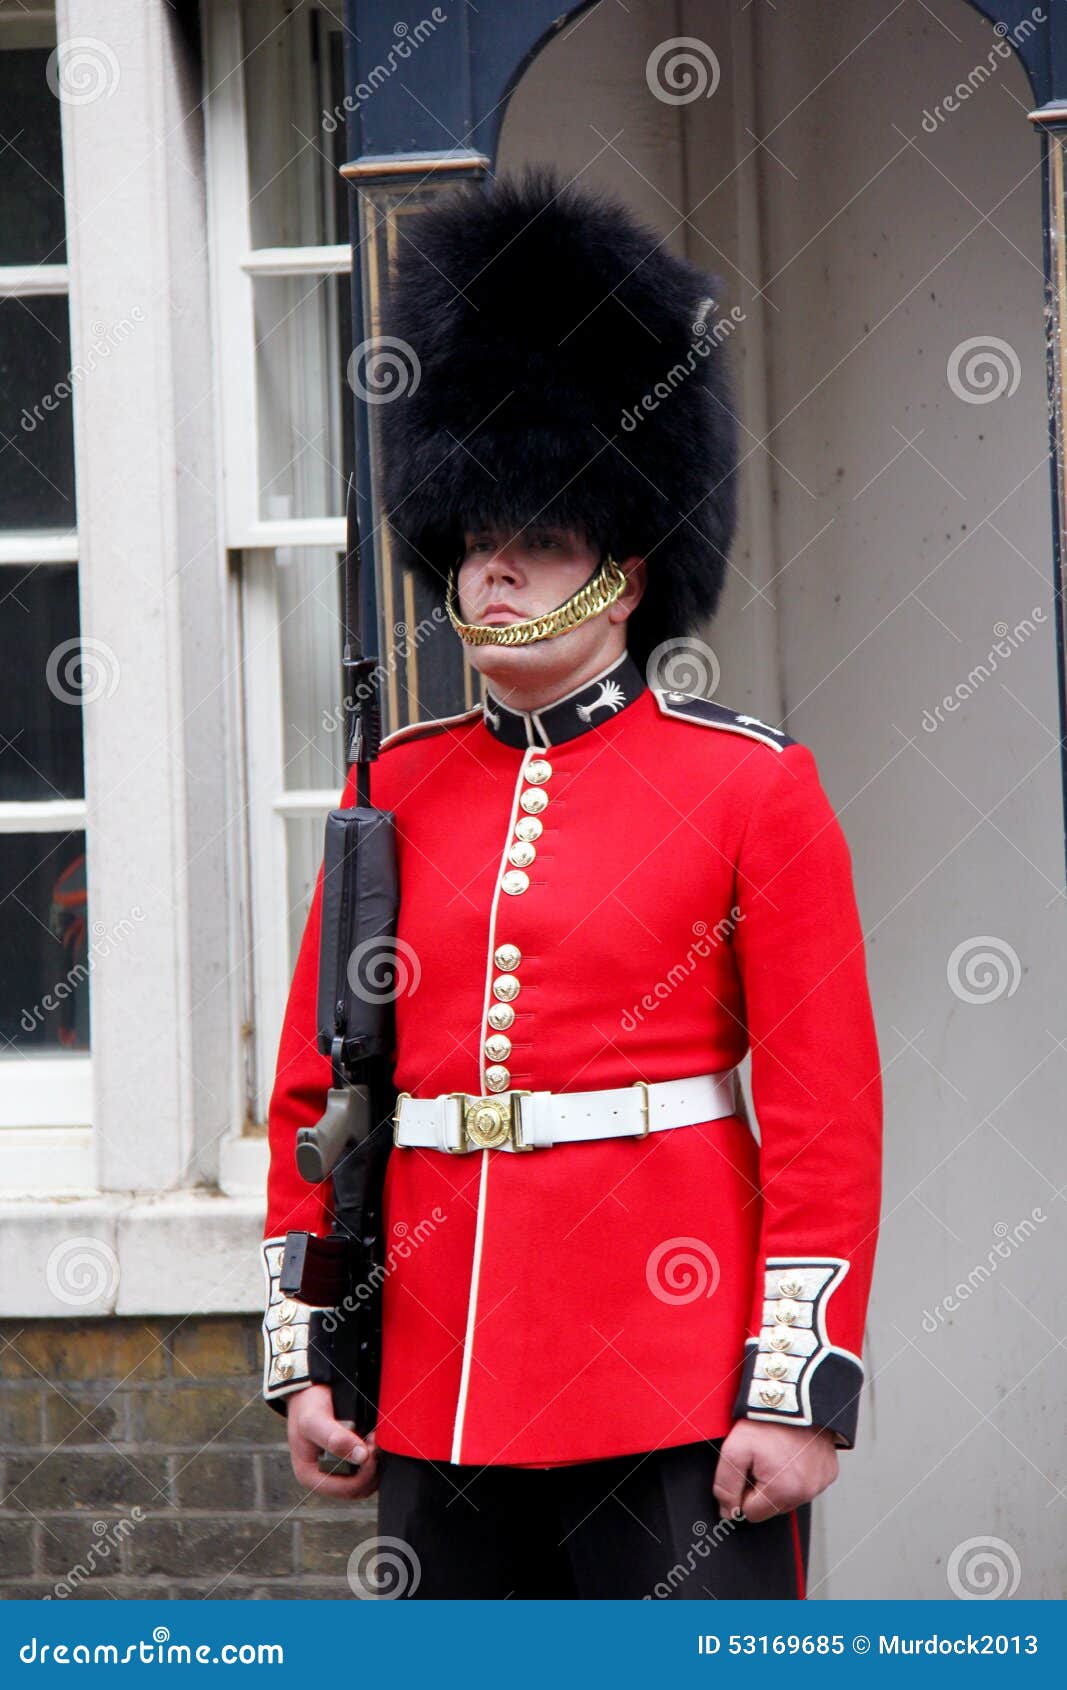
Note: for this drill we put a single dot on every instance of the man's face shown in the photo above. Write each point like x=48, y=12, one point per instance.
x=508, y=577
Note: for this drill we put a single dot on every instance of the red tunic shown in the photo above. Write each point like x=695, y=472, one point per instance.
x=689, y=899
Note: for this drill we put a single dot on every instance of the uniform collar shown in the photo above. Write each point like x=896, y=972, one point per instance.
x=595, y=701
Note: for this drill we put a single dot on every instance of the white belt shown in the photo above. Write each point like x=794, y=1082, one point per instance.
x=532, y=1120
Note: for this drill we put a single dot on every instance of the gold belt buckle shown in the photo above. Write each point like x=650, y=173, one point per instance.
x=489, y=1122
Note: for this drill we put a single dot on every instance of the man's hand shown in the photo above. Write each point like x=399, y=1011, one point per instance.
x=312, y=1428
x=765, y=1469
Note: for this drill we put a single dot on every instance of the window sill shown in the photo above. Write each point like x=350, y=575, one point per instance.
x=181, y=1253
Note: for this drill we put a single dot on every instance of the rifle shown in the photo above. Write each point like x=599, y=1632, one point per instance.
x=341, y=1275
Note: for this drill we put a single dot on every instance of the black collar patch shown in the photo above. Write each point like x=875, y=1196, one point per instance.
x=706, y=713
x=595, y=701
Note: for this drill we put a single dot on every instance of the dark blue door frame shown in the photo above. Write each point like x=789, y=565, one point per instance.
x=424, y=107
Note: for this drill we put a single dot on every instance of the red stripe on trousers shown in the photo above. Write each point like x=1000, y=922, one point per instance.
x=798, y=1557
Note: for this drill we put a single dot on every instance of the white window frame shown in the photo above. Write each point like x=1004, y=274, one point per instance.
x=262, y=544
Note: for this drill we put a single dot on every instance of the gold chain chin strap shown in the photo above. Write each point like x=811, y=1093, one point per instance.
x=604, y=588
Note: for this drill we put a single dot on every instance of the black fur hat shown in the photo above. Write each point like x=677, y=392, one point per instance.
x=569, y=370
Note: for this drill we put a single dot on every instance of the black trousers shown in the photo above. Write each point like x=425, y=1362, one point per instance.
x=634, y=1526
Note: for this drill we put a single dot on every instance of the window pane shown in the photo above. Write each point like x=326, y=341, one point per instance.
x=309, y=609
x=36, y=425
x=301, y=467
x=292, y=76
x=44, y=943
x=303, y=840
x=40, y=702
x=31, y=181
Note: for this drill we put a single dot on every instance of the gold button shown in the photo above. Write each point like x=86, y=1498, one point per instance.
x=790, y=1287
x=529, y=827
x=507, y=956
x=533, y=801
x=515, y=881
x=285, y=1367
x=497, y=1047
x=497, y=1079
x=775, y=1368
x=786, y=1312
x=283, y=1338
x=521, y=854
x=286, y=1310
x=500, y=1015
x=772, y=1395
x=506, y=987
x=781, y=1338
x=538, y=771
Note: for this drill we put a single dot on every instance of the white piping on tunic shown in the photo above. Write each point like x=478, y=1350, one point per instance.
x=483, y=1184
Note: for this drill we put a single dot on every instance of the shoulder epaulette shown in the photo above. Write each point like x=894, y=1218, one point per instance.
x=423, y=730
x=689, y=707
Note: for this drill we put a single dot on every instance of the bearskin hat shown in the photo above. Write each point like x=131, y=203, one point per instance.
x=565, y=369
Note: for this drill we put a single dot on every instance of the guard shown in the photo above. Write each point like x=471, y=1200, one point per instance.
x=622, y=1322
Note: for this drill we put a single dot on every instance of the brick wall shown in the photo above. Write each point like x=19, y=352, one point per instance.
x=137, y=1459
